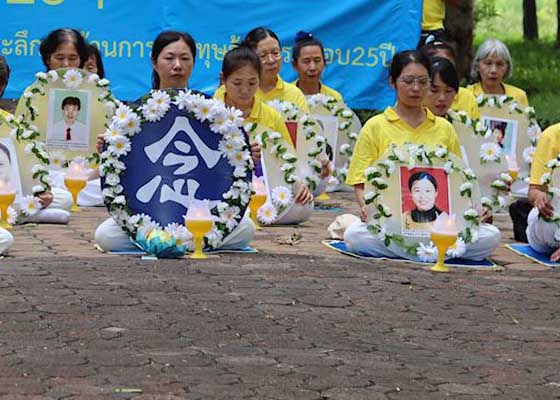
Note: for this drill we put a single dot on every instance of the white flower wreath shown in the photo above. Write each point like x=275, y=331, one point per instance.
x=224, y=121
x=345, y=116
x=410, y=155
x=552, y=191
x=282, y=196
x=72, y=79
x=490, y=152
x=291, y=113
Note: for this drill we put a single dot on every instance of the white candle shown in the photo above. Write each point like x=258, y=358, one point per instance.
x=76, y=171
x=445, y=224
x=258, y=185
x=199, y=210
x=6, y=187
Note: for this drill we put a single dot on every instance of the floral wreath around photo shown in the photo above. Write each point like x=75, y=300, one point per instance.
x=345, y=116
x=291, y=113
x=282, y=196
x=412, y=155
x=175, y=240
x=551, y=190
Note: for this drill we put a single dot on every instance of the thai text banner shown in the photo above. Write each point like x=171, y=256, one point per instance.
x=360, y=37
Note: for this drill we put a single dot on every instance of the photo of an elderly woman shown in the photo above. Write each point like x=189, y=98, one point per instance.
x=423, y=189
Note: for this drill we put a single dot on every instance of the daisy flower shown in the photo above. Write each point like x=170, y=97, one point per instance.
x=458, y=249
x=528, y=154
x=30, y=205
x=281, y=196
x=56, y=159
x=202, y=109
x=240, y=158
x=120, y=146
x=161, y=99
x=267, y=214
x=122, y=115
x=229, y=217
x=427, y=252
x=52, y=75
x=72, y=79
x=179, y=232
x=214, y=237
x=12, y=216
x=93, y=78
x=490, y=152
x=132, y=126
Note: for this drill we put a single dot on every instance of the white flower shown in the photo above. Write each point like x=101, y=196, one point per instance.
x=469, y=174
x=480, y=99
x=441, y=152
x=229, y=217
x=529, y=111
x=347, y=114
x=37, y=189
x=528, y=153
x=235, y=116
x=93, y=78
x=52, y=75
x=112, y=179
x=41, y=75
x=504, y=176
x=12, y=216
x=491, y=102
x=180, y=233
x=72, y=79
x=161, y=99
x=56, y=159
x=215, y=237
x=267, y=214
x=486, y=202
x=151, y=111
x=371, y=171
x=120, y=146
x=103, y=82
x=27, y=94
x=122, y=115
x=112, y=133
x=427, y=252
x=240, y=158
x=458, y=249
x=203, y=109
x=502, y=99
x=345, y=148
x=533, y=132
x=513, y=106
x=281, y=196
x=230, y=147
x=465, y=187
x=369, y=196
x=30, y=205
x=490, y=152
x=132, y=125
x=120, y=200
x=471, y=213
x=38, y=168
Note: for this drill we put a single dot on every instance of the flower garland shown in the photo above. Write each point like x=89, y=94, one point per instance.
x=72, y=79
x=533, y=131
x=490, y=152
x=552, y=191
x=282, y=196
x=345, y=116
x=291, y=113
x=174, y=240
x=411, y=155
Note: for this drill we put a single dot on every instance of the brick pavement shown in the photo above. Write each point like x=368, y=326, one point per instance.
x=289, y=323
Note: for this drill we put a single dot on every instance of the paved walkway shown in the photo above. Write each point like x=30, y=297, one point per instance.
x=292, y=322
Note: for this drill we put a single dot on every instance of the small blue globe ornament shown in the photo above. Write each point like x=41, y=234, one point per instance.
x=173, y=148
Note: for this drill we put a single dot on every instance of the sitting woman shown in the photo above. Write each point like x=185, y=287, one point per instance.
x=424, y=190
x=240, y=78
x=408, y=122
x=542, y=234
x=173, y=56
x=464, y=100
x=308, y=60
x=491, y=65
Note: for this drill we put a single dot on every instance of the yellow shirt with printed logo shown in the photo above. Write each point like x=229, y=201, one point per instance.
x=381, y=131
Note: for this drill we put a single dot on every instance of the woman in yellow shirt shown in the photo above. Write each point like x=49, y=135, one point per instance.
x=308, y=60
x=408, y=122
x=491, y=65
x=240, y=78
x=541, y=233
x=464, y=100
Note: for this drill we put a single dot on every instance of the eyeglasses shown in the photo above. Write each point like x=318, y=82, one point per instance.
x=276, y=54
x=410, y=80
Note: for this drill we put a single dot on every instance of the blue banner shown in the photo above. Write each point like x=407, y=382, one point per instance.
x=360, y=38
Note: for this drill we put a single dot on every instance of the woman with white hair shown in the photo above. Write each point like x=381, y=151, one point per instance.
x=491, y=65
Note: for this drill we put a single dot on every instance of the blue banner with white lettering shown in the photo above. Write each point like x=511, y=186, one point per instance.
x=360, y=38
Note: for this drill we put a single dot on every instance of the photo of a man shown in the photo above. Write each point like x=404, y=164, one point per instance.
x=68, y=127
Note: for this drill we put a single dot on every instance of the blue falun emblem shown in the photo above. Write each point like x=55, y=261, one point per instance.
x=172, y=161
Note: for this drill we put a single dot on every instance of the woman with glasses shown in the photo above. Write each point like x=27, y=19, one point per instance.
x=407, y=122
x=491, y=65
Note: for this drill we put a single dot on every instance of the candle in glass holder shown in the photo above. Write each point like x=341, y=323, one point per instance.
x=75, y=180
x=444, y=235
x=7, y=197
x=513, y=168
x=257, y=199
x=198, y=221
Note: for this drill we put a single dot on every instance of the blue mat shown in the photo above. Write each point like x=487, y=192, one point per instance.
x=527, y=251
x=139, y=252
x=339, y=246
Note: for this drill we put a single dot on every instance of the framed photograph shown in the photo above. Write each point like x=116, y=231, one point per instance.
x=9, y=169
x=424, y=195
x=69, y=119
x=504, y=133
x=329, y=126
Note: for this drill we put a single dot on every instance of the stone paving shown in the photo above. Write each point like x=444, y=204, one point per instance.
x=292, y=322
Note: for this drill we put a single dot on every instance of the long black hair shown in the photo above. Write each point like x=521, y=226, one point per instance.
x=161, y=41
x=56, y=38
x=94, y=51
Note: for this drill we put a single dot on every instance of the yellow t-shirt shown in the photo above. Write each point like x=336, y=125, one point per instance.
x=381, y=131
x=433, y=14
x=548, y=147
x=465, y=101
x=264, y=115
x=327, y=91
x=518, y=94
x=286, y=92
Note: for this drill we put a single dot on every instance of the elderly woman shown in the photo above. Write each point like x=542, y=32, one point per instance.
x=491, y=65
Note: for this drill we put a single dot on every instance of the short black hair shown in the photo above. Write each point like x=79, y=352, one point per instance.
x=304, y=39
x=56, y=38
x=162, y=40
x=403, y=58
x=446, y=71
x=429, y=50
x=94, y=51
x=71, y=101
x=237, y=58
x=256, y=35
x=418, y=176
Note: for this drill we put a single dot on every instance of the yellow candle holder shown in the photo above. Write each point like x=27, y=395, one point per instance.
x=75, y=186
x=198, y=228
x=257, y=201
x=442, y=242
x=6, y=201
x=323, y=196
